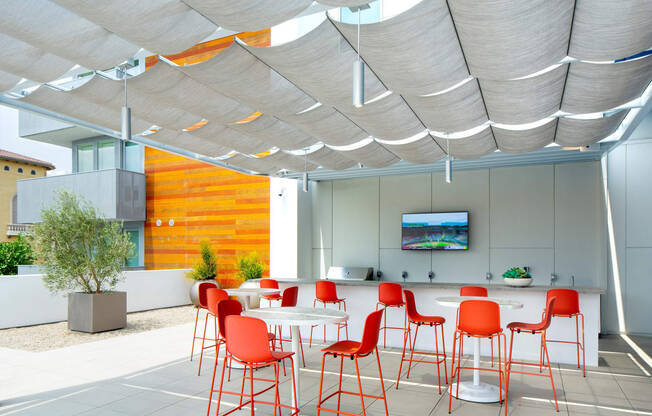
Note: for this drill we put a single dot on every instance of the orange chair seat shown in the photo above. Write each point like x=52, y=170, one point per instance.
x=392, y=304
x=274, y=296
x=526, y=327
x=331, y=300
x=423, y=319
x=343, y=347
x=280, y=355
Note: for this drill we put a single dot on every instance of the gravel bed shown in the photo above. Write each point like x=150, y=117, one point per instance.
x=52, y=336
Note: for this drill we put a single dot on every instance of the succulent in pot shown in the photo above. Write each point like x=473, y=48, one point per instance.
x=517, y=276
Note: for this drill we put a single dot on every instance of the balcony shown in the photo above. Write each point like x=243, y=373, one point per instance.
x=15, y=229
x=117, y=194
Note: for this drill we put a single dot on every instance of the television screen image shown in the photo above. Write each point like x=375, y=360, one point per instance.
x=435, y=231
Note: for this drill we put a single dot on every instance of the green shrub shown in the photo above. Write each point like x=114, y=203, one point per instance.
x=80, y=249
x=250, y=267
x=516, y=273
x=14, y=253
x=206, y=268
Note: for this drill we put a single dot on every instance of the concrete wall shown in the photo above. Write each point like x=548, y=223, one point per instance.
x=24, y=300
x=628, y=171
x=116, y=193
x=548, y=217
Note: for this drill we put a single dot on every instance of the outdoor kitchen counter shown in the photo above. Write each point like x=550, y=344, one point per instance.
x=442, y=285
x=362, y=295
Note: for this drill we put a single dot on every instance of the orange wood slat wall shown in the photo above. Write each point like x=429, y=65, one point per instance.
x=206, y=202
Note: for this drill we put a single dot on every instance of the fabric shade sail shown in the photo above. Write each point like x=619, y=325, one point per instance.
x=583, y=132
x=398, y=49
x=422, y=150
x=330, y=159
x=471, y=147
x=522, y=141
x=189, y=142
x=372, y=155
x=328, y=125
x=26, y=61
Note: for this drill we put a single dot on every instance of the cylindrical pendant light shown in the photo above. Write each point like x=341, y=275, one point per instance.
x=126, y=115
x=358, y=75
x=449, y=163
x=305, y=171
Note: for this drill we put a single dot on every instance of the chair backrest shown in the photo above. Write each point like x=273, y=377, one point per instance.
x=268, y=284
x=326, y=290
x=290, y=296
x=410, y=304
x=479, y=317
x=473, y=291
x=547, y=318
x=213, y=297
x=390, y=293
x=201, y=293
x=567, y=303
x=226, y=308
x=247, y=339
x=370, y=332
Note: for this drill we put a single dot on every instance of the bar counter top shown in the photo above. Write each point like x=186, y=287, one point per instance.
x=450, y=285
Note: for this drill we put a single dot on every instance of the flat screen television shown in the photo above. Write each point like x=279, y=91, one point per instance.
x=435, y=231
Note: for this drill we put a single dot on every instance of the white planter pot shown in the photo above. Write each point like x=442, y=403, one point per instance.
x=518, y=282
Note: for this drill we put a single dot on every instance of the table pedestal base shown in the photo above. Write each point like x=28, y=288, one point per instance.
x=480, y=393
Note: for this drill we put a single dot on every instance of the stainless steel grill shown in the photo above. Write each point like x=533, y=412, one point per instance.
x=350, y=273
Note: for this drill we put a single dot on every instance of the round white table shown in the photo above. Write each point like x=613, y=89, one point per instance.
x=477, y=391
x=245, y=293
x=294, y=317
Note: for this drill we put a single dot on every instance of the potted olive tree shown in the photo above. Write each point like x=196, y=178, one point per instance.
x=205, y=270
x=83, y=255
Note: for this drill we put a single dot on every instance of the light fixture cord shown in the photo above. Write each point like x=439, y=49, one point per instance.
x=305, y=160
x=124, y=74
x=359, y=10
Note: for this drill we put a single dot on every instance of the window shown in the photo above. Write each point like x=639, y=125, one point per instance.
x=14, y=209
x=133, y=157
x=106, y=155
x=85, y=157
x=33, y=172
x=6, y=168
x=20, y=170
x=134, y=259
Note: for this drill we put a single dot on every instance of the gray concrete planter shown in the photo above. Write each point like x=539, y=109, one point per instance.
x=97, y=312
x=194, y=290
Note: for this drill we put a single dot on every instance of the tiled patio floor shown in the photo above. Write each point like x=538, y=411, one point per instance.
x=149, y=374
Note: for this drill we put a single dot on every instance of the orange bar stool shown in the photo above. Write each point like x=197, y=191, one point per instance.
x=326, y=293
x=478, y=291
x=201, y=292
x=247, y=344
x=270, y=284
x=477, y=319
x=213, y=297
x=417, y=319
x=354, y=350
x=568, y=306
x=227, y=308
x=390, y=295
x=289, y=299
x=540, y=329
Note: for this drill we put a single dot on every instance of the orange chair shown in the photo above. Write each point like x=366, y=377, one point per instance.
x=289, y=299
x=326, y=292
x=478, y=291
x=477, y=319
x=213, y=297
x=538, y=328
x=270, y=284
x=568, y=306
x=355, y=350
x=390, y=295
x=414, y=317
x=201, y=295
x=247, y=344
x=227, y=308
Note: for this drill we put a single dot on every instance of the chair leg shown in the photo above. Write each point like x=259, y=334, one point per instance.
x=382, y=382
x=436, y=358
x=583, y=349
x=450, y=388
x=491, y=341
x=251, y=389
x=294, y=383
x=443, y=347
x=303, y=359
x=577, y=339
x=500, y=371
x=504, y=352
x=552, y=381
x=339, y=386
x=313, y=327
x=210, y=395
x=357, y=373
x=400, y=366
x=324, y=332
x=201, y=353
x=385, y=329
x=413, y=346
x=276, y=396
x=459, y=362
x=508, y=363
x=321, y=383
x=194, y=335
x=346, y=324
x=219, y=396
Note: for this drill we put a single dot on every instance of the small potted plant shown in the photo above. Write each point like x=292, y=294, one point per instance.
x=83, y=254
x=517, y=276
x=205, y=270
x=250, y=267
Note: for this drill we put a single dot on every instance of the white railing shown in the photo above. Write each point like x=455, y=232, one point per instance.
x=15, y=229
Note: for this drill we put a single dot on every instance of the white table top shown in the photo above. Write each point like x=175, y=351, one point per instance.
x=298, y=316
x=251, y=291
x=454, y=301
